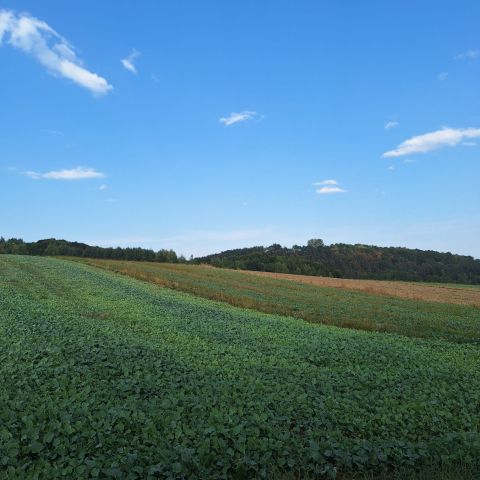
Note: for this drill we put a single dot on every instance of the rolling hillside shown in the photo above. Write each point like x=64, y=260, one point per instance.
x=106, y=376
x=447, y=312
x=352, y=261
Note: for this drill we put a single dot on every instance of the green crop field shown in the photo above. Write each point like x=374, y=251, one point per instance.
x=330, y=306
x=104, y=376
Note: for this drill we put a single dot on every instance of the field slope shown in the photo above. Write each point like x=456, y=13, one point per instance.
x=457, y=294
x=105, y=376
x=372, y=310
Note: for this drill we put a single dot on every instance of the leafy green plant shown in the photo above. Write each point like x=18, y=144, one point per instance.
x=104, y=376
x=330, y=306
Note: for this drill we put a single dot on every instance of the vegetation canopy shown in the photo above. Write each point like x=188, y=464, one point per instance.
x=352, y=261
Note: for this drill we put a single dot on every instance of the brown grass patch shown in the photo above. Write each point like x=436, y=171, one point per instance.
x=410, y=290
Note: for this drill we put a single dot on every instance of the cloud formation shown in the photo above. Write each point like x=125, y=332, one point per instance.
x=468, y=55
x=327, y=182
x=329, y=190
x=391, y=124
x=238, y=117
x=445, y=137
x=129, y=61
x=39, y=40
x=328, y=187
x=78, y=173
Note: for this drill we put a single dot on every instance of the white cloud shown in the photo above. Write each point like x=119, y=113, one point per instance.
x=78, y=173
x=330, y=190
x=327, y=182
x=469, y=144
x=391, y=124
x=328, y=187
x=468, y=55
x=433, y=141
x=442, y=76
x=238, y=117
x=38, y=39
x=129, y=61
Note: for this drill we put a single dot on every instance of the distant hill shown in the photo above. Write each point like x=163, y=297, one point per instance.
x=352, y=261
x=336, y=260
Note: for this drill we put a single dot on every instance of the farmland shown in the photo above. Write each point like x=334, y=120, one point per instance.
x=375, y=309
x=442, y=293
x=105, y=376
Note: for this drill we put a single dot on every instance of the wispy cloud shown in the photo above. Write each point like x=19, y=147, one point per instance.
x=330, y=190
x=327, y=182
x=238, y=117
x=38, y=39
x=469, y=144
x=129, y=61
x=102, y=187
x=78, y=173
x=445, y=137
x=391, y=124
x=442, y=76
x=57, y=133
x=327, y=187
x=468, y=55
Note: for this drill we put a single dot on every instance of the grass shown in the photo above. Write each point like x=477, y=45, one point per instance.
x=446, y=293
x=105, y=376
x=329, y=306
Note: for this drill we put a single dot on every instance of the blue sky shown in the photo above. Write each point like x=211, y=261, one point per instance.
x=204, y=126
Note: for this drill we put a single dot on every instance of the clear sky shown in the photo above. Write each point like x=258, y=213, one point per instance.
x=204, y=126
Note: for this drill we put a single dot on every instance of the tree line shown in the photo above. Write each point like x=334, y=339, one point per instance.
x=337, y=260
x=352, y=261
x=53, y=247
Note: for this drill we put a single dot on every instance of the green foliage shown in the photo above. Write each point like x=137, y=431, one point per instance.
x=352, y=261
x=331, y=306
x=52, y=247
x=315, y=243
x=338, y=260
x=107, y=377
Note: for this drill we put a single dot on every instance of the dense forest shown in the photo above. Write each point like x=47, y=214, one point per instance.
x=316, y=258
x=53, y=247
x=352, y=261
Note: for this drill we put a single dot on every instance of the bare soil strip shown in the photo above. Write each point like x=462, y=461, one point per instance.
x=416, y=291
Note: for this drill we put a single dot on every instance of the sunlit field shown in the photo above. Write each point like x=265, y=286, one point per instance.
x=107, y=376
x=309, y=299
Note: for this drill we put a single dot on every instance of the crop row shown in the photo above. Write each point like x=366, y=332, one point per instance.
x=105, y=376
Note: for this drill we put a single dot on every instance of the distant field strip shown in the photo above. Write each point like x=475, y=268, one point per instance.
x=318, y=304
x=105, y=376
x=443, y=293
